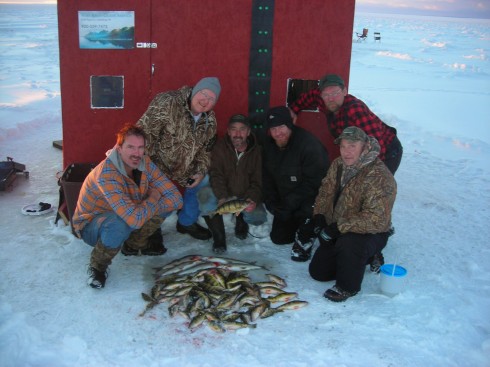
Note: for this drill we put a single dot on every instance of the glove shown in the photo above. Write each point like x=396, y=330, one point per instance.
x=319, y=223
x=330, y=232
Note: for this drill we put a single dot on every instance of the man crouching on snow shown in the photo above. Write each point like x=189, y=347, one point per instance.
x=351, y=216
x=124, y=200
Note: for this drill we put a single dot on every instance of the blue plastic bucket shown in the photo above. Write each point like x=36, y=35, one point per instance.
x=392, y=279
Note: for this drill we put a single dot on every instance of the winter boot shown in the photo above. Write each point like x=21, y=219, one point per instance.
x=147, y=240
x=217, y=228
x=337, y=294
x=100, y=259
x=300, y=251
x=241, y=227
x=195, y=230
x=96, y=278
x=155, y=244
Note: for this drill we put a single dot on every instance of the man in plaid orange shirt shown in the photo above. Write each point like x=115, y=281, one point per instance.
x=124, y=200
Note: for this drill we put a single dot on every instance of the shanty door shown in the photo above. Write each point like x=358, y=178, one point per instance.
x=105, y=72
x=195, y=39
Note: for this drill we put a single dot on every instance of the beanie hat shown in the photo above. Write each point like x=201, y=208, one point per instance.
x=239, y=118
x=352, y=133
x=211, y=83
x=278, y=116
x=329, y=80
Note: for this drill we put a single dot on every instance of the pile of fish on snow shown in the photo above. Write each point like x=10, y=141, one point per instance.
x=218, y=292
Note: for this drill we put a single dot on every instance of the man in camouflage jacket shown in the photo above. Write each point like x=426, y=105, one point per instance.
x=181, y=129
x=351, y=215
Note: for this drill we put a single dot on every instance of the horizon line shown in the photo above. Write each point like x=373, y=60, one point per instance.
x=361, y=9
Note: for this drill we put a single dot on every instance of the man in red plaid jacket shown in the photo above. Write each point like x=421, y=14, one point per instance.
x=343, y=110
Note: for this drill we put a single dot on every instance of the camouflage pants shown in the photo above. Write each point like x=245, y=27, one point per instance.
x=138, y=240
x=102, y=255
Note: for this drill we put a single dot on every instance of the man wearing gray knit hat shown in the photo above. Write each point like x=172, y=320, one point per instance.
x=209, y=83
x=181, y=128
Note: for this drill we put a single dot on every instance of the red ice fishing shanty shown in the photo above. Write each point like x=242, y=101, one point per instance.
x=115, y=56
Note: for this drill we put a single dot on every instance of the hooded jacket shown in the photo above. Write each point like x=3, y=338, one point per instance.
x=232, y=176
x=179, y=146
x=108, y=188
x=364, y=203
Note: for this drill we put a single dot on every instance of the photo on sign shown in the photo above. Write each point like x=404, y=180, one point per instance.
x=106, y=29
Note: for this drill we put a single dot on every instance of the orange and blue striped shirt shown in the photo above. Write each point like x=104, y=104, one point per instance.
x=106, y=188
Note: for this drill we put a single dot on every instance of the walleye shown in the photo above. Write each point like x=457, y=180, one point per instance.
x=197, y=320
x=279, y=281
x=271, y=290
x=292, y=305
x=218, y=292
x=151, y=303
x=258, y=310
x=235, y=325
x=216, y=327
x=196, y=263
x=282, y=297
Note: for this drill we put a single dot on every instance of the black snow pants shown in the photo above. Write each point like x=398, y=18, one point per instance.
x=345, y=259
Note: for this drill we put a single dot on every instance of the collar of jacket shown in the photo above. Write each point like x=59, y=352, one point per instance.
x=114, y=156
x=367, y=158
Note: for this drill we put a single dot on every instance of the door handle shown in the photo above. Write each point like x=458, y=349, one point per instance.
x=152, y=69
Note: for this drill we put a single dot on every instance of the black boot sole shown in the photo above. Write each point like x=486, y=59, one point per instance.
x=129, y=252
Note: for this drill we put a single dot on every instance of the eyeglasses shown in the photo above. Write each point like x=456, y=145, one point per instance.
x=331, y=95
x=207, y=96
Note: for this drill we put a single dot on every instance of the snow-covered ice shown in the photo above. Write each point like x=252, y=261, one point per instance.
x=428, y=77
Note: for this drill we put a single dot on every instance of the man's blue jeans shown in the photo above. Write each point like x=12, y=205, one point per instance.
x=190, y=212
x=109, y=227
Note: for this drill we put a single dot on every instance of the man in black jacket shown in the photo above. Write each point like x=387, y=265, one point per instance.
x=294, y=163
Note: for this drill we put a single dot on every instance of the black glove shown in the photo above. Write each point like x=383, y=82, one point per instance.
x=319, y=223
x=330, y=232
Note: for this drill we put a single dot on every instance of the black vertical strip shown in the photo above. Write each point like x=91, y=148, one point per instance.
x=260, y=67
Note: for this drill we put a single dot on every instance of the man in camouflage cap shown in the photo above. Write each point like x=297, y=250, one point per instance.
x=351, y=215
x=342, y=110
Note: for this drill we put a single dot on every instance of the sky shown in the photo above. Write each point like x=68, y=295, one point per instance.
x=444, y=8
